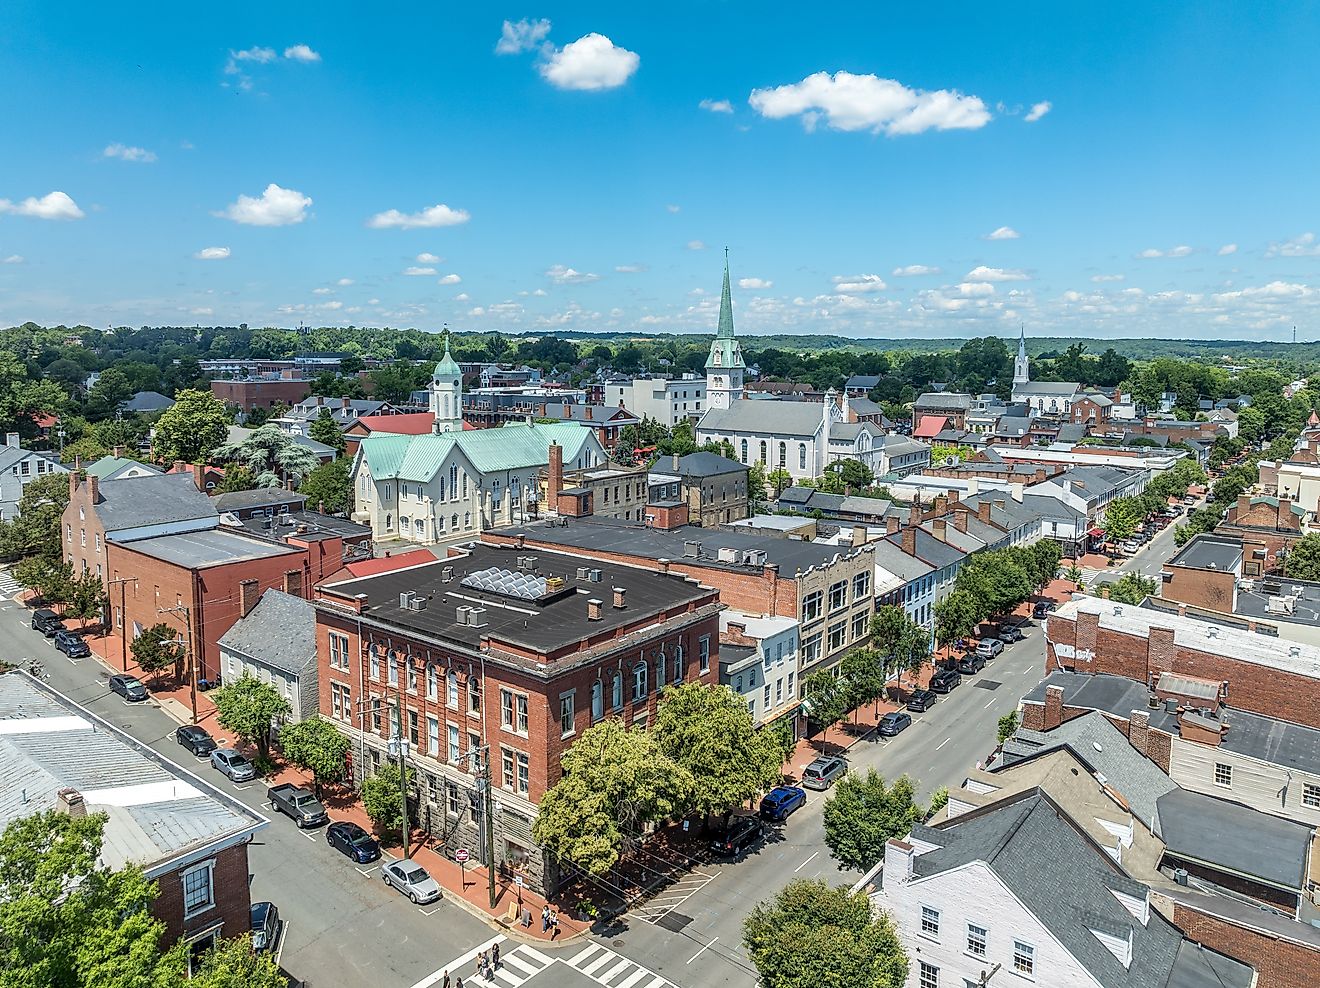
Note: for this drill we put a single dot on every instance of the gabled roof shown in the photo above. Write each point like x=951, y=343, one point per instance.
x=788, y=418
x=279, y=632
x=136, y=502
x=929, y=426
x=707, y=464
x=409, y=424
x=516, y=446
x=147, y=401
x=867, y=381
x=944, y=399
x=600, y=414
x=1047, y=388
x=111, y=467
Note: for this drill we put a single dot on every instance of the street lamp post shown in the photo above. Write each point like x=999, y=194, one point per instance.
x=123, y=623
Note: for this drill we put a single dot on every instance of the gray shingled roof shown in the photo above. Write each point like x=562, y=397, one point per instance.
x=279, y=632
x=707, y=464
x=786, y=418
x=135, y=502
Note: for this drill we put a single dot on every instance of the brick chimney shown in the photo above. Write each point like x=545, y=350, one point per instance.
x=345, y=405
x=556, y=473
x=663, y=565
x=858, y=535
x=70, y=802
x=891, y=524
x=293, y=582
x=939, y=526
x=983, y=511
x=179, y=466
x=910, y=540
x=249, y=592
x=199, y=476
x=568, y=412
x=94, y=489
x=593, y=609
x=1053, y=707
x=587, y=410
x=542, y=413
x=620, y=598
x=119, y=452
x=1139, y=731
x=960, y=520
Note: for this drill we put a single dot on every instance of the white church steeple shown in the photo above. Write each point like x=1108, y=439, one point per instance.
x=1021, y=366
x=725, y=365
x=446, y=394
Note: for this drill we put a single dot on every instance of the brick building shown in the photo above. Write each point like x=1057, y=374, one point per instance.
x=496, y=651
x=1270, y=525
x=1092, y=409
x=1205, y=573
x=249, y=394
x=188, y=837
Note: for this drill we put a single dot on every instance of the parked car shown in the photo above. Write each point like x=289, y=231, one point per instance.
x=893, y=723
x=46, y=621
x=742, y=833
x=412, y=880
x=969, y=665
x=128, y=687
x=71, y=645
x=230, y=763
x=920, y=701
x=348, y=838
x=1042, y=609
x=1129, y=548
x=1011, y=633
x=265, y=917
x=301, y=806
x=823, y=772
x=945, y=681
x=989, y=648
x=780, y=801
x=196, y=740
x=1189, y=500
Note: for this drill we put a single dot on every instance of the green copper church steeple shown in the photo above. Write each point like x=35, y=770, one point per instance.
x=725, y=353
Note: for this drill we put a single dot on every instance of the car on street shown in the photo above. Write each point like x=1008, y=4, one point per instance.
x=196, y=740
x=970, y=665
x=1189, y=500
x=46, y=621
x=128, y=687
x=945, y=681
x=780, y=801
x=1129, y=548
x=265, y=921
x=411, y=879
x=348, y=838
x=298, y=804
x=1011, y=633
x=71, y=645
x=823, y=772
x=233, y=765
x=742, y=833
x=893, y=723
x=989, y=648
x=920, y=701
x=1042, y=609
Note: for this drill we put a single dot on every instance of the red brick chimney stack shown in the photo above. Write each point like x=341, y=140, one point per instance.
x=556, y=471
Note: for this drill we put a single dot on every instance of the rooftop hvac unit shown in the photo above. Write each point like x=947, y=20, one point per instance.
x=476, y=616
x=461, y=616
x=584, y=573
x=728, y=555
x=1281, y=605
x=418, y=602
x=692, y=549
x=1247, y=585
x=405, y=598
x=597, y=576
x=447, y=574
x=754, y=557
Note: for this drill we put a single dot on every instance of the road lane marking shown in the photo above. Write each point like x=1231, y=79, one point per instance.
x=987, y=706
x=310, y=837
x=702, y=950
x=942, y=743
x=284, y=937
x=805, y=863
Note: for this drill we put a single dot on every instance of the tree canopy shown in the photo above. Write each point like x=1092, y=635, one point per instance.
x=862, y=813
x=250, y=708
x=271, y=454
x=318, y=746
x=1303, y=559
x=192, y=429
x=329, y=487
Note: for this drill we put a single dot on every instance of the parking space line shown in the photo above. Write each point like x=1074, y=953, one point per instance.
x=310, y=837
x=805, y=863
x=284, y=936
x=702, y=950
x=942, y=743
x=430, y=913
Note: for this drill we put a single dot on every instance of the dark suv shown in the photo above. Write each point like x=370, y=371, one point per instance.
x=71, y=645
x=743, y=832
x=920, y=701
x=945, y=680
x=46, y=621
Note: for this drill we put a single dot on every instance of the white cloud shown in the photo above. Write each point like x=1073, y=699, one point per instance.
x=976, y=289
x=323, y=291
x=591, y=62
x=1002, y=233
x=671, y=208
x=344, y=282
x=754, y=283
x=202, y=311
x=51, y=206
x=1101, y=278
x=630, y=268
x=1038, y=110
x=1227, y=249
x=426, y=257
x=858, y=284
x=450, y=279
x=301, y=53
x=867, y=102
x=695, y=245
x=521, y=36
x=13, y=259
x=331, y=306
x=984, y=273
x=417, y=272
x=716, y=105
x=437, y=215
x=462, y=297
x=125, y=153
x=1150, y=252
x=275, y=207
x=1302, y=246
x=562, y=275
x=259, y=55
x=212, y=254
x=540, y=293
x=914, y=270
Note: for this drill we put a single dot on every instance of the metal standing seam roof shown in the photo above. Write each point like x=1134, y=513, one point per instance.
x=516, y=446
x=107, y=467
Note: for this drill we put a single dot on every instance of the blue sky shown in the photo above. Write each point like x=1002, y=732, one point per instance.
x=1125, y=170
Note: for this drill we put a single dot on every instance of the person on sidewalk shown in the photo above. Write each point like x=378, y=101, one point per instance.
x=554, y=924
x=545, y=919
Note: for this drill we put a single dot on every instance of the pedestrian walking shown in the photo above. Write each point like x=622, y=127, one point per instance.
x=545, y=919
x=458, y=983
x=446, y=981
x=554, y=924
x=495, y=956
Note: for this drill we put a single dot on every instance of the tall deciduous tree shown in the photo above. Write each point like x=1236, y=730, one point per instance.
x=329, y=486
x=192, y=429
x=271, y=454
x=813, y=936
x=956, y=616
x=317, y=746
x=87, y=597
x=35, y=530
x=863, y=813
x=157, y=648
x=864, y=676
x=250, y=708
x=825, y=698
x=324, y=429
x=1303, y=559
x=1132, y=588
x=383, y=801
x=708, y=732
x=234, y=964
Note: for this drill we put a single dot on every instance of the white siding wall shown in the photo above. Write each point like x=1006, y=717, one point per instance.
x=973, y=893
x=1261, y=785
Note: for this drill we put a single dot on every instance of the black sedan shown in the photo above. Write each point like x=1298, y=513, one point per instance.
x=196, y=740
x=894, y=723
x=352, y=840
x=128, y=687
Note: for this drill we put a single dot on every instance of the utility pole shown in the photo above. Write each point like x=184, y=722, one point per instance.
x=399, y=746
x=192, y=659
x=123, y=621
x=490, y=824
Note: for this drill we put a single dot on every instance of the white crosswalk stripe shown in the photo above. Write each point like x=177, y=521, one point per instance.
x=517, y=966
x=605, y=967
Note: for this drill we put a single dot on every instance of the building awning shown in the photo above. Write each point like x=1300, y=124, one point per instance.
x=1096, y=533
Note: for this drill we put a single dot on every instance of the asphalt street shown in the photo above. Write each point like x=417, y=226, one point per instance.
x=1149, y=561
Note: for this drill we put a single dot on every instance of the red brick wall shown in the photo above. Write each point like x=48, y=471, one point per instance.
x=248, y=395
x=1278, y=963
x=667, y=518
x=1200, y=588
x=229, y=883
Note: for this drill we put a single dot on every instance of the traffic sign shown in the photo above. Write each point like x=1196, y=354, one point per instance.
x=519, y=880
x=461, y=855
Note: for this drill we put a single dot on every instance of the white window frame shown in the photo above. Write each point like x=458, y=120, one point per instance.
x=1024, y=959
x=1224, y=775
x=207, y=867
x=977, y=934
x=567, y=713
x=1311, y=795
x=928, y=975
x=930, y=923
x=703, y=652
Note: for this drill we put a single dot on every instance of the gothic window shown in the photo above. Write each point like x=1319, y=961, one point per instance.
x=802, y=456
x=744, y=450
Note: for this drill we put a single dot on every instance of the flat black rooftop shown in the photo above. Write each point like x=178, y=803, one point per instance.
x=1305, y=601
x=631, y=539
x=1210, y=553
x=305, y=525
x=1117, y=695
x=546, y=625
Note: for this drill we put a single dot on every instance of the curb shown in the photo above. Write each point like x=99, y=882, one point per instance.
x=512, y=932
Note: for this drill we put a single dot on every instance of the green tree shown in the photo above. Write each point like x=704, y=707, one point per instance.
x=863, y=813
x=382, y=800
x=157, y=648
x=250, y=708
x=813, y=936
x=234, y=964
x=1122, y=517
x=615, y=781
x=324, y=429
x=853, y=474
x=271, y=454
x=864, y=676
x=1007, y=726
x=825, y=698
x=238, y=478
x=87, y=597
x=67, y=921
x=330, y=486
x=85, y=450
x=1074, y=575
x=50, y=578
x=192, y=429
x=756, y=482
x=1045, y=556
x=709, y=733
x=35, y=530
x=317, y=746
x=938, y=800
x=956, y=616
x=779, y=479
x=110, y=391
x=1303, y=559
x=1132, y=588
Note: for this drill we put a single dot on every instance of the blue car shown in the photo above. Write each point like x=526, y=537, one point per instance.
x=781, y=801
